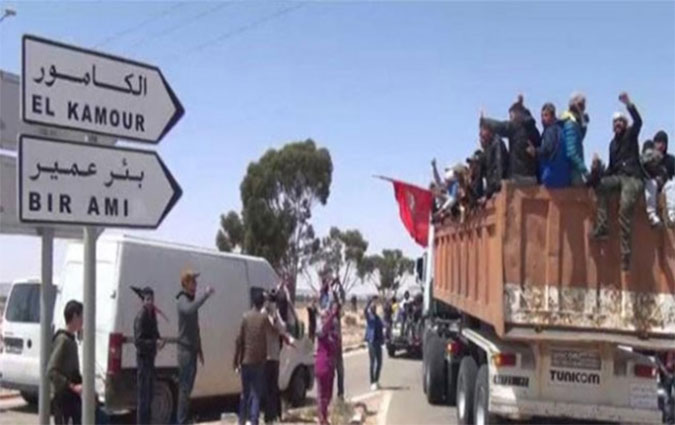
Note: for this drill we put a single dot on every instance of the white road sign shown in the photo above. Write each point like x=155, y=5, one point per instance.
x=73, y=88
x=74, y=183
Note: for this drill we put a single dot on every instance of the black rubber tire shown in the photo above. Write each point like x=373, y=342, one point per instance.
x=30, y=398
x=391, y=351
x=481, y=398
x=451, y=383
x=164, y=402
x=435, y=370
x=466, y=383
x=297, y=388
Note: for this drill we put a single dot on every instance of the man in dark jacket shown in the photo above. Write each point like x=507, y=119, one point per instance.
x=147, y=342
x=189, y=339
x=521, y=130
x=63, y=369
x=661, y=144
x=623, y=175
x=496, y=160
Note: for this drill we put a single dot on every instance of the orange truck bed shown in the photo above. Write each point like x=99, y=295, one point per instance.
x=526, y=261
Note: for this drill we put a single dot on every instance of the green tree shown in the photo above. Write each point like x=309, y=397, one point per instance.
x=343, y=253
x=278, y=194
x=392, y=266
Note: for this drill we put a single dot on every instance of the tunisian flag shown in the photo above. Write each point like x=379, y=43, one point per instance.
x=414, y=205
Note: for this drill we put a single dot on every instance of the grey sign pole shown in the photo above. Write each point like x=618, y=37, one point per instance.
x=46, y=313
x=89, y=331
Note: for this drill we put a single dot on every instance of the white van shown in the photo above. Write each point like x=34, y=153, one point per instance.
x=20, y=355
x=125, y=261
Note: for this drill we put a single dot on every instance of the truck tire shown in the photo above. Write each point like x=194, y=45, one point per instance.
x=466, y=383
x=163, y=405
x=297, y=388
x=30, y=398
x=451, y=384
x=391, y=351
x=435, y=370
x=481, y=398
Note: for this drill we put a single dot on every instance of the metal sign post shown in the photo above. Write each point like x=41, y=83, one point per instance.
x=46, y=313
x=89, y=328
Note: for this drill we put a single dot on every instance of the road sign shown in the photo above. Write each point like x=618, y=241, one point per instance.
x=75, y=183
x=73, y=88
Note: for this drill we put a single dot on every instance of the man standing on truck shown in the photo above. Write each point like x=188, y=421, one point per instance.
x=553, y=165
x=496, y=160
x=660, y=178
x=63, y=368
x=147, y=342
x=521, y=130
x=575, y=122
x=624, y=174
x=189, y=339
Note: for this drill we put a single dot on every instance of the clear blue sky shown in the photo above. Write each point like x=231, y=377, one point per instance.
x=386, y=86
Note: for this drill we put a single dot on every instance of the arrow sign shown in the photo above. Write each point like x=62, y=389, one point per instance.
x=73, y=88
x=74, y=183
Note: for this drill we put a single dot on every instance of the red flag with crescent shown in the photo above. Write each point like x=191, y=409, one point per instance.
x=414, y=205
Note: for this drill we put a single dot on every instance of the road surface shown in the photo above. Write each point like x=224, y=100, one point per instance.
x=400, y=377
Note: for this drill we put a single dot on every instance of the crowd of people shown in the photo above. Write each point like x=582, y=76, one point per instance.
x=555, y=158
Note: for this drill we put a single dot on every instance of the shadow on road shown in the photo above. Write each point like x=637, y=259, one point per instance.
x=394, y=388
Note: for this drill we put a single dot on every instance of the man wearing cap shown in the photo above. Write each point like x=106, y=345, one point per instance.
x=623, y=175
x=147, y=342
x=189, y=339
x=574, y=125
x=521, y=130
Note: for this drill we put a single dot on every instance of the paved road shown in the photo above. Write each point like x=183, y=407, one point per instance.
x=400, y=377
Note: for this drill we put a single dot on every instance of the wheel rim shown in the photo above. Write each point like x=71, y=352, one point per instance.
x=461, y=399
x=162, y=404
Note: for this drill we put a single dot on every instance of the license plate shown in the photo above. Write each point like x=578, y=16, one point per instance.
x=576, y=359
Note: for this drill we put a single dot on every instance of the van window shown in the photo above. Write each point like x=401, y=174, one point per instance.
x=24, y=304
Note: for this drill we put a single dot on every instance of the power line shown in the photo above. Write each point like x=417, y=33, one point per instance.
x=181, y=24
x=139, y=25
x=239, y=30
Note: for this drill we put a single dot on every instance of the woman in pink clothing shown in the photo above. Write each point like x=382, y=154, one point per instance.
x=325, y=359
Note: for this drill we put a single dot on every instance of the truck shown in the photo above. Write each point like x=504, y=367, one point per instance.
x=526, y=316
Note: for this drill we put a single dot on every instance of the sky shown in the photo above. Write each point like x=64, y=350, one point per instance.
x=385, y=86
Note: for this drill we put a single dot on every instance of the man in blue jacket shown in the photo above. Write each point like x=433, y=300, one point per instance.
x=575, y=122
x=375, y=339
x=554, y=168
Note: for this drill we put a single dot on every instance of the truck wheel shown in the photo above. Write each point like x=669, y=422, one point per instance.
x=451, y=384
x=30, y=398
x=297, y=389
x=466, y=382
x=435, y=370
x=481, y=398
x=391, y=350
x=163, y=403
